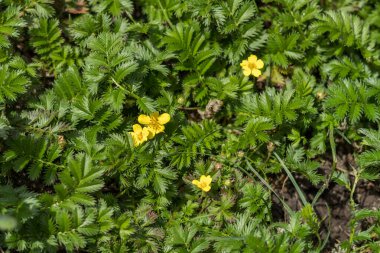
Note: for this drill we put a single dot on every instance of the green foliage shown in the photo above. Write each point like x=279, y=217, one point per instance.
x=352, y=99
x=295, y=160
x=279, y=107
x=249, y=237
x=10, y=25
x=12, y=83
x=185, y=240
x=344, y=30
x=47, y=41
x=370, y=159
x=115, y=7
x=76, y=75
x=195, y=141
x=19, y=203
x=32, y=154
x=283, y=49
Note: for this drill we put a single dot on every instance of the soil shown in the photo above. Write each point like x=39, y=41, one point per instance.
x=333, y=206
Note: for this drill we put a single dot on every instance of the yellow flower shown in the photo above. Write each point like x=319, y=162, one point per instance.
x=204, y=183
x=139, y=135
x=252, y=66
x=155, y=122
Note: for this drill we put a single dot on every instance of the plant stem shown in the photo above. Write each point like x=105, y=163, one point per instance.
x=51, y=164
x=292, y=179
x=333, y=166
x=286, y=207
x=353, y=208
x=130, y=17
x=124, y=89
x=165, y=14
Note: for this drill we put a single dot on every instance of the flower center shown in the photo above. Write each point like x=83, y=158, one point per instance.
x=154, y=123
x=251, y=65
x=202, y=184
x=140, y=136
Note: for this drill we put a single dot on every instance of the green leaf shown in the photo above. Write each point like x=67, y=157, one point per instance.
x=146, y=104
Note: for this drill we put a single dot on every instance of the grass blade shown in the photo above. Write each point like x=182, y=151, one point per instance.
x=292, y=179
x=287, y=208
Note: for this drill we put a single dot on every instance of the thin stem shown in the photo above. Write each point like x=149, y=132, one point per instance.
x=353, y=207
x=205, y=204
x=328, y=228
x=189, y=108
x=318, y=237
x=130, y=17
x=332, y=145
x=165, y=14
x=124, y=89
x=51, y=164
x=333, y=166
x=287, y=208
x=292, y=179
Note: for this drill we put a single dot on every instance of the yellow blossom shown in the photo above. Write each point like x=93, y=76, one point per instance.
x=155, y=122
x=139, y=135
x=203, y=183
x=252, y=66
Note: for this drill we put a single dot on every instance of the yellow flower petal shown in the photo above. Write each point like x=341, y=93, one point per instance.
x=247, y=72
x=195, y=182
x=207, y=179
x=252, y=58
x=137, y=128
x=259, y=64
x=207, y=188
x=244, y=63
x=256, y=72
x=145, y=133
x=144, y=119
x=135, y=140
x=159, y=129
x=164, y=118
x=151, y=133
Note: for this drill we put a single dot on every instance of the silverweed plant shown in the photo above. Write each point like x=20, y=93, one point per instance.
x=189, y=126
